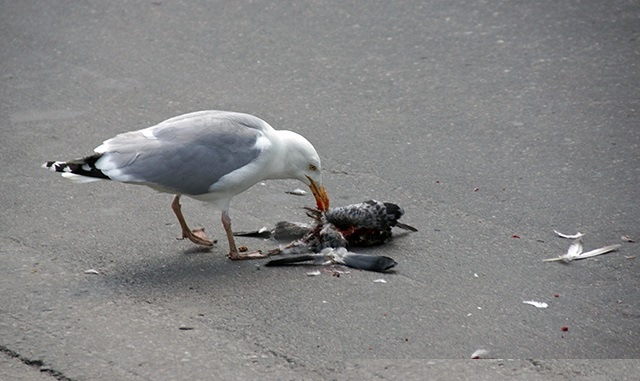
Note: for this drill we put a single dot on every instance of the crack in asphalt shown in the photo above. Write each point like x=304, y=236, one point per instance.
x=37, y=364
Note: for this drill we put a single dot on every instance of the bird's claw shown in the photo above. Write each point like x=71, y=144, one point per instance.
x=197, y=236
x=236, y=256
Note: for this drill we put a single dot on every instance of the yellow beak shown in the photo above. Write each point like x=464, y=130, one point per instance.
x=320, y=194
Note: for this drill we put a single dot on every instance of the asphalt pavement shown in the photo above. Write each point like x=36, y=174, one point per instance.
x=492, y=123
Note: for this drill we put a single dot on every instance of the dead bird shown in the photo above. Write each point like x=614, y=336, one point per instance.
x=365, y=224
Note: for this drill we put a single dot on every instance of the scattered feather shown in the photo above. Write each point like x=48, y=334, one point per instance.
x=313, y=273
x=626, y=238
x=297, y=192
x=92, y=271
x=379, y=281
x=570, y=236
x=576, y=251
x=536, y=304
x=480, y=354
x=339, y=256
x=602, y=250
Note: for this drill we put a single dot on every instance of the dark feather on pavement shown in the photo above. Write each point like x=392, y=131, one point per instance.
x=340, y=256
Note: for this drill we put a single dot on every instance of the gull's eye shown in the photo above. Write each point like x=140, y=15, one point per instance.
x=312, y=168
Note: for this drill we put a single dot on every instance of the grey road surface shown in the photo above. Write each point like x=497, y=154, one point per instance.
x=491, y=122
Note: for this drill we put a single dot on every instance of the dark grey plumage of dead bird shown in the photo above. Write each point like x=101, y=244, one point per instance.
x=341, y=256
x=283, y=231
x=365, y=224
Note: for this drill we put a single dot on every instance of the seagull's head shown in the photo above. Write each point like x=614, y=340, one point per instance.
x=304, y=164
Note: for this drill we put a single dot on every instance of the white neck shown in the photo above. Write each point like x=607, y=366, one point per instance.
x=282, y=152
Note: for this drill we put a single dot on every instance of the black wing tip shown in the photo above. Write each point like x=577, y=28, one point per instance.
x=254, y=234
x=369, y=262
x=292, y=260
x=406, y=227
x=83, y=167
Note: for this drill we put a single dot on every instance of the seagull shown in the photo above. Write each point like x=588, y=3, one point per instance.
x=210, y=156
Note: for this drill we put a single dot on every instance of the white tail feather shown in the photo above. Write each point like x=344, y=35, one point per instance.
x=80, y=179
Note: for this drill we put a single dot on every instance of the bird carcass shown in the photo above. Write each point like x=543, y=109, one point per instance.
x=364, y=224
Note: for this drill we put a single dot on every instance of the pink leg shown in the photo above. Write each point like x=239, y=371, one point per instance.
x=195, y=235
x=234, y=254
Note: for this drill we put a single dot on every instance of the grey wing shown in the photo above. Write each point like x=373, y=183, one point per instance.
x=183, y=155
